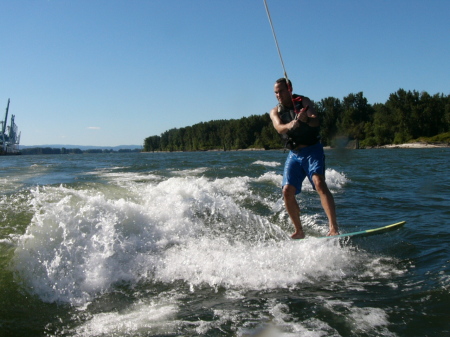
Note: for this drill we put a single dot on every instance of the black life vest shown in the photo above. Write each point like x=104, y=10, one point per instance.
x=304, y=134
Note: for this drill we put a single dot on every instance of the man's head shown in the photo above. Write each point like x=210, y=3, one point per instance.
x=286, y=82
x=283, y=91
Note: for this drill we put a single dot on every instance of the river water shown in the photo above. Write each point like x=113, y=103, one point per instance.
x=197, y=244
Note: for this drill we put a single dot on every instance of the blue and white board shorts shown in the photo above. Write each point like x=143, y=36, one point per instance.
x=303, y=163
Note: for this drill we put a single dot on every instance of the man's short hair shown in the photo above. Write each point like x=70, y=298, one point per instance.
x=286, y=82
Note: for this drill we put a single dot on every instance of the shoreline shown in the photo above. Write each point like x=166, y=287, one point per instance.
x=414, y=145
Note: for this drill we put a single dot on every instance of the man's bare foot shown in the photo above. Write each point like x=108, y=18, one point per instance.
x=333, y=232
x=298, y=235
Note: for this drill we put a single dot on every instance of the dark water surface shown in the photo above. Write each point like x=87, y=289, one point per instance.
x=197, y=244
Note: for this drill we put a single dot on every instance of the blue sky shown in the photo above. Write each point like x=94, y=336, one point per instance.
x=109, y=72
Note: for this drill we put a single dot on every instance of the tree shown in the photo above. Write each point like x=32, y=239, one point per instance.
x=356, y=113
x=330, y=113
x=400, y=104
x=383, y=125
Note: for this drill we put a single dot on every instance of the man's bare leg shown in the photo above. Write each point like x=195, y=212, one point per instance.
x=293, y=210
x=327, y=200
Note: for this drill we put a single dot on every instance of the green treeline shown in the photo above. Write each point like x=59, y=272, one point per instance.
x=405, y=116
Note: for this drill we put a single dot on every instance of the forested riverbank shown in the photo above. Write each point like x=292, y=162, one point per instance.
x=405, y=116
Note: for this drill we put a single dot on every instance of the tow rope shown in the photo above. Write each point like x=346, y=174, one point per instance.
x=276, y=41
x=288, y=83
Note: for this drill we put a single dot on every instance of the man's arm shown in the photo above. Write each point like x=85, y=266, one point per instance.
x=278, y=125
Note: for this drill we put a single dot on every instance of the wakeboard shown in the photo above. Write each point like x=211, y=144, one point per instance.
x=368, y=232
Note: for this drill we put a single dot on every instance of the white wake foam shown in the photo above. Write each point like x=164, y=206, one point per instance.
x=82, y=242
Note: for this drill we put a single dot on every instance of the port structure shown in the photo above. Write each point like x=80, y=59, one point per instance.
x=9, y=135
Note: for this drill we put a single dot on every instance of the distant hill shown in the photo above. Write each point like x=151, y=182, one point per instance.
x=83, y=147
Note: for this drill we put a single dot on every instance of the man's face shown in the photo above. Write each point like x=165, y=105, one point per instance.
x=282, y=94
